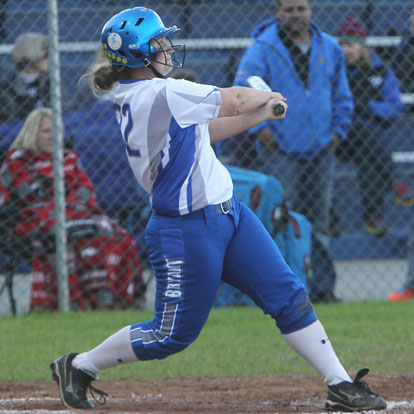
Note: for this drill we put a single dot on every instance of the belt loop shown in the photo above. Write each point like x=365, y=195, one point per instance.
x=227, y=205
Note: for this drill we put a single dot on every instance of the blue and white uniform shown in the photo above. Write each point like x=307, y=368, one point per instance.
x=165, y=124
x=198, y=233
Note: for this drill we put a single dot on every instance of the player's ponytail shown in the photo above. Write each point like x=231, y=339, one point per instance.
x=103, y=77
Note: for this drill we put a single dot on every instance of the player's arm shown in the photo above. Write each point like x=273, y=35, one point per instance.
x=226, y=127
x=238, y=100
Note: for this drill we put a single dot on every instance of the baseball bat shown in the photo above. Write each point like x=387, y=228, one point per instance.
x=257, y=82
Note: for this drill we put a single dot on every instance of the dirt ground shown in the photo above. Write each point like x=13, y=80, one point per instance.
x=238, y=395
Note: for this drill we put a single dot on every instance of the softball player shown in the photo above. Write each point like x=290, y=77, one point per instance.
x=199, y=233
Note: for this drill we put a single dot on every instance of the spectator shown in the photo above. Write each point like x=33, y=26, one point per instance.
x=28, y=86
x=407, y=291
x=103, y=259
x=293, y=55
x=403, y=59
x=377, y=104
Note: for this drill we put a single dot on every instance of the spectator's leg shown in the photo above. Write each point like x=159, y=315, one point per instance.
x=316, y=193
x=285, y=169
x=375, y=175
x=324, y=275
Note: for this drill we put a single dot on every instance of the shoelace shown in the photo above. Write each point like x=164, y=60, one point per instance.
x=85, y=380
x=102, y=394
x=362, y=384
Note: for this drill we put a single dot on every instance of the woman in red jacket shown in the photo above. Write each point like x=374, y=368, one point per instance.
x=104, y=269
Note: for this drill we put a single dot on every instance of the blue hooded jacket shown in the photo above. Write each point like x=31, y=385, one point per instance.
x=314, y=113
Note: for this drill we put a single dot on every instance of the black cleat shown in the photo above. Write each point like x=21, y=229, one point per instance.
x=353, y=396
x=73, y=384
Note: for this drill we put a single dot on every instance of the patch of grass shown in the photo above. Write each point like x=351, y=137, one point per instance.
x=235, y=341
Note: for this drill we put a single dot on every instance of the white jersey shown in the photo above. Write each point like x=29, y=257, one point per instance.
x=164, y=123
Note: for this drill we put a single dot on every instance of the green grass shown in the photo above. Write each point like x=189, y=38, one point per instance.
x=238, y=341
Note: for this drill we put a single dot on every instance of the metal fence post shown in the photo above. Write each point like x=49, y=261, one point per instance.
x=59, y=182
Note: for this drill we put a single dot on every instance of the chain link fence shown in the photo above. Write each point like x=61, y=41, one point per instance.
x=366, y=256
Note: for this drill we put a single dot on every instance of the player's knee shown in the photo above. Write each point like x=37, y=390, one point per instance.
x=297, y=313
x=160, y=347
x=173, y=346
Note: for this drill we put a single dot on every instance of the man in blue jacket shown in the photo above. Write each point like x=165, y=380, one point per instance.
x=307, y=65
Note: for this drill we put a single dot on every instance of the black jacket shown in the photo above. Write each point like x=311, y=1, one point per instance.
x=403, y=64
x=18, y=97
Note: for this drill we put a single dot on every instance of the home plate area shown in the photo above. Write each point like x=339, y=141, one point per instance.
x=282, y=394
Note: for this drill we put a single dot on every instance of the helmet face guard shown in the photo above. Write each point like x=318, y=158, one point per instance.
x=130, y=38
x=160, y=54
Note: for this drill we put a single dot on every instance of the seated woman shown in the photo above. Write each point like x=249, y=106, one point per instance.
x=103, y=265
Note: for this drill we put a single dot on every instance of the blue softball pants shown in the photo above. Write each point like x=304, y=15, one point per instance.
x=190, y=254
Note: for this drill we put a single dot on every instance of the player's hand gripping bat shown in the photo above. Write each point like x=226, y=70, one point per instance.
x=257, y=82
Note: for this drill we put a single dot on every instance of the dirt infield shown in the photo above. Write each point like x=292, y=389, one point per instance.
x=258, y=394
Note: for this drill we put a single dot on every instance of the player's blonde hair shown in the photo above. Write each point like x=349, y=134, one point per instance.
x=27, y=137
x=103, y=76
x=28, y=48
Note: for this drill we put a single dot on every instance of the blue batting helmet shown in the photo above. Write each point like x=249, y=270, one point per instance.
x=126, y=37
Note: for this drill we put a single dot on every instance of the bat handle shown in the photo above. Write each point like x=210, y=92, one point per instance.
x=278, y=109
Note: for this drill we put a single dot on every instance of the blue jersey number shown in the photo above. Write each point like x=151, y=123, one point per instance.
x=125, y=112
